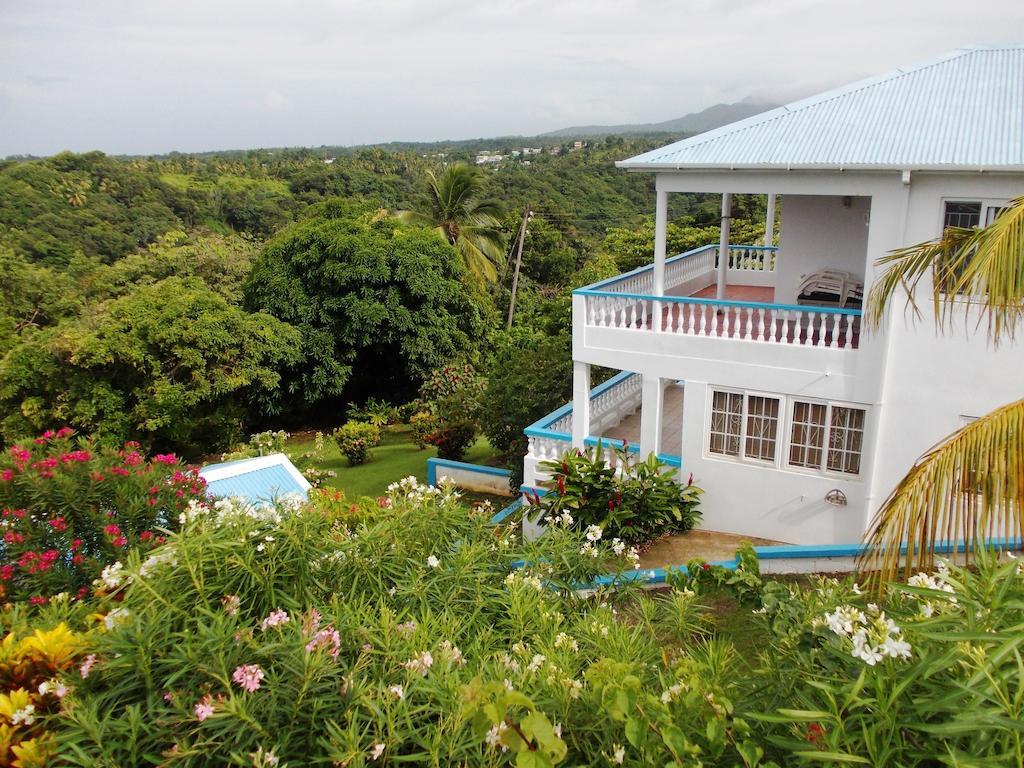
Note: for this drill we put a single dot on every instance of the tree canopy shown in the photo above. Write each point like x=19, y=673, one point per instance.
x=378, y=304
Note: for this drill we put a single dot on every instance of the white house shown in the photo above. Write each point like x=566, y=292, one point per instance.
x=752, y=370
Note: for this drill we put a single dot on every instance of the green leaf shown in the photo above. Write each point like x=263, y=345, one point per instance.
x=836, y=757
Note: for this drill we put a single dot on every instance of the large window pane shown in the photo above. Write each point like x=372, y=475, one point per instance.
x=846, y=440
x=726, y=423
x=762, y=427
x=807, y=440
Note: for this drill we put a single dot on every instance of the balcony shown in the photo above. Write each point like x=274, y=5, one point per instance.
x=614, y=423
x=620, y=312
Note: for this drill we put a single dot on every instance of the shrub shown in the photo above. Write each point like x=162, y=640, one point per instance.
x=30, y=691
x=452, y=396
x=71, y=507
x=355, y=439
x=638, y=505
x=260, y=444
x=422, y=423
x=376, y=412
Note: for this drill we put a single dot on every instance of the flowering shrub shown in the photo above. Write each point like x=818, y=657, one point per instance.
x=355, y=439
x=406, y=635
x=70, y=507
x=638, y=505
x=30, y=689
x=451, y=398
x=265, y=443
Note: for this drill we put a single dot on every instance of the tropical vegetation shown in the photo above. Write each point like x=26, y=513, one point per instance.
x=970, y=487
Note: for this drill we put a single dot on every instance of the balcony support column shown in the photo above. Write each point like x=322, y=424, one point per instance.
x=660, y=237
x=580, y=403
x=769, y=220
x=651, y=406
x=723, y=247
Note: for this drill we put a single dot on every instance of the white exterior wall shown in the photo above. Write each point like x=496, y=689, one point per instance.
x=819, y=232
x=932, y=378
x=914, y=384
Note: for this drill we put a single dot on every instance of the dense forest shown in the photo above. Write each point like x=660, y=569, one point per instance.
x=186, y=300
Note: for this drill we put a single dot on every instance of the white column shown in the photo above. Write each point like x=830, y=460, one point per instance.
x=769, y=220
x=580, y=403
x=660, y=229
x=723, y=248
x=650, y=415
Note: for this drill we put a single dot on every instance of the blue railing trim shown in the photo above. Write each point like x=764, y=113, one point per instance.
x=536, y=432
x=503, y=513
x=677, y=257
x=717, y=303
x=434, y=463
x=546, y=421
x=649, y=267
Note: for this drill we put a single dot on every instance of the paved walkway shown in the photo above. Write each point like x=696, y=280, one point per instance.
x=708, y=545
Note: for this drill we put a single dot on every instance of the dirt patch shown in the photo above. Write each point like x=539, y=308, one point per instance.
x=709, y=545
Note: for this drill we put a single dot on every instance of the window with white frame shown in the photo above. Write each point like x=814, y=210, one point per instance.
x=744, y=426
x=961, y=213
x=826, y=437
x=726, y=423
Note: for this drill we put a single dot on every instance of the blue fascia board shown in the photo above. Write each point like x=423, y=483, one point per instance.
x=717, y=303
x=434, y=463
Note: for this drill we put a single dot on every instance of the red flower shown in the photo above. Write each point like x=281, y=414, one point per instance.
x=153, y=490
x=561, y=485
x=120, y=541
x=78, y=560
x=611, y=504
x=98, y=477
x=75, y=544
x=112, y=530
x=133, y=459
x=706, y=566
x=13, y=537
x=6, y=572
x=82, y=593
x=64, y=432
x=58, y=524
x=19, y=454
x=37, y=600
x=814, y=733
x=151, y=502
x=7, y=475
x=690, y=481
x=145, y=536
x=166, y=458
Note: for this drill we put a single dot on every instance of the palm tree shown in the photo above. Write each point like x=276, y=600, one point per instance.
x=454, y=205
x=971, y=485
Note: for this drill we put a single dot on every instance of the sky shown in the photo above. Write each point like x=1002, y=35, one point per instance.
x=142, y=77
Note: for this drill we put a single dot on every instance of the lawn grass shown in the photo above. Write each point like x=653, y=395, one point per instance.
x=396, y=457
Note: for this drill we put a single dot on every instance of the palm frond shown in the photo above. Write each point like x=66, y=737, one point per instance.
x=973, y=267
x=969, y=488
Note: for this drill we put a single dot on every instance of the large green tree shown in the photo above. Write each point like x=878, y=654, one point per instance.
x=378, y=304
x=972, y=483
x=455, y=206
x=172, y=364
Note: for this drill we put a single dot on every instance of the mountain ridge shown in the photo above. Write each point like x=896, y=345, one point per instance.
x=694, y=122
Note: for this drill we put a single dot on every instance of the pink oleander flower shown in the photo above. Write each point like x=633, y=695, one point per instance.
x=205, y=707
x=327, y=638
x=311, y=621
x=87, y=665
x=64, y=432
x=248, y=677
x=120, y=541
x=7, y=474
x=275, y=619
x=165, y=458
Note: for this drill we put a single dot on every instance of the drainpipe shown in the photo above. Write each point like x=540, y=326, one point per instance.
x=723, y=248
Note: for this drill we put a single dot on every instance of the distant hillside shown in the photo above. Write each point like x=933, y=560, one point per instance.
x=696, y=122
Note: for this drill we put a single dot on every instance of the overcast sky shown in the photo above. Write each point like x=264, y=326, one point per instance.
x=141, y=76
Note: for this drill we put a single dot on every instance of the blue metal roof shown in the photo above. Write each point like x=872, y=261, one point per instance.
x=254, y=480
x=961, y=111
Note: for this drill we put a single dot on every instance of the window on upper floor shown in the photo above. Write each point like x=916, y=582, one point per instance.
x=960, y=213
x=744, y=426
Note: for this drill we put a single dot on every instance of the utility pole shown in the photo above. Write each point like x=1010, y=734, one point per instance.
x=527, y=215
